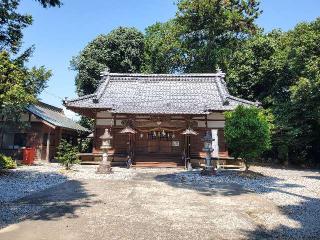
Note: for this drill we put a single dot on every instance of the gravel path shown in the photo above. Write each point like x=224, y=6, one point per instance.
x=295, y=192
x=294, y=195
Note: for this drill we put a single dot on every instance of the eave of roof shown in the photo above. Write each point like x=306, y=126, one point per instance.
x=54, y=116
x=199, y=93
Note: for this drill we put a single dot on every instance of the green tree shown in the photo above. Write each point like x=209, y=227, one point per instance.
x=67, y=154
x=121, y=50
x=281, y=69
x=19, y=86
x=256, y=67
x=163, y=49
x=212, y=29
x=12, y=23
x=247, y=133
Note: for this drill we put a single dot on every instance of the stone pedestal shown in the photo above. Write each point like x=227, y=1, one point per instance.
x=105, y=165
x=209, y=169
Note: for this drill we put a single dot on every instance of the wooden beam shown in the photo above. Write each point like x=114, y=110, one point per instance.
x=48, y=147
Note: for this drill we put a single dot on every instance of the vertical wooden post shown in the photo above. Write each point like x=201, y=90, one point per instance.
x=114, y=134
x=114, y=130
x=48, y=147
x=206, y=117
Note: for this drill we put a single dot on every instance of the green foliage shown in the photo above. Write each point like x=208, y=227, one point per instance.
x=248, y=133
x=19, y=87
x=281, y=69
x=212, y=29
x=85, y=145
x=7, y=162
x=87, y=122
x=163, y=50
x=67, y=154
x=121, y=50
x=50, y=3
x=12, y=23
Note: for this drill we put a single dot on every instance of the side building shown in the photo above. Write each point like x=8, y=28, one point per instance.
x=42, y=128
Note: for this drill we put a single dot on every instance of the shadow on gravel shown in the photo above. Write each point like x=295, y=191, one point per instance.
x=313, y=177
x=221, y=184
x=229, y=183
x=306, y=214
x=52, y=203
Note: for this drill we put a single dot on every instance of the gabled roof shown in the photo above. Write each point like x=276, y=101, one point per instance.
x=54, y=116
x=160, y=94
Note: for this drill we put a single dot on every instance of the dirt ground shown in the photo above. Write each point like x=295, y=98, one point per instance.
x=149, y=206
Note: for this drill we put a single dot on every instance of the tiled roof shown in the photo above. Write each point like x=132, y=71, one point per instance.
x=54, y=116
x=160, y=94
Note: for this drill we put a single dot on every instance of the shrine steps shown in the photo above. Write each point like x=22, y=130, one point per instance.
x=158, y=160
x=156, y=165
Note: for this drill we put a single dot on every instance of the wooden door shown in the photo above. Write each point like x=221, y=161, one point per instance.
x=165, y=146
x=153, y=146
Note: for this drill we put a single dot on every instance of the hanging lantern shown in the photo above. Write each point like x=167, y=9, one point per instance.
x=141, y=135
x=173, y=135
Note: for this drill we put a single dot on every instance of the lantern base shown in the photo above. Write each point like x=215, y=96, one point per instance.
x=104, y=168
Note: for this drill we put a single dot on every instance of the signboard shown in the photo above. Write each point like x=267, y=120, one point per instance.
x=175, y=143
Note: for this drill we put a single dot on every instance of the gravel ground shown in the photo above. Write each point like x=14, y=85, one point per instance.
x=294, y=195
x=295, y=192
x=26, y=180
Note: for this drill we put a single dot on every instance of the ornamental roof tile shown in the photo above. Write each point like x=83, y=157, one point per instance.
x=160, y=94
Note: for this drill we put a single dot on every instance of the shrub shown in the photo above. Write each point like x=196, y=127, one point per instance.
x=67, y=154
x=247, y=133
x=7, y=162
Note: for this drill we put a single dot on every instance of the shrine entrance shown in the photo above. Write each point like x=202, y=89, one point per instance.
x=158, y=145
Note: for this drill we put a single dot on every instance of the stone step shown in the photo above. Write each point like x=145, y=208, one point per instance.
x=154, y=164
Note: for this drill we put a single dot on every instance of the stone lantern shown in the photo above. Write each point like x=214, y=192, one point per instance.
x=209, y=168
x=105, y=165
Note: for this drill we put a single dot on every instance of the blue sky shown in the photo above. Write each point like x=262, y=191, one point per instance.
x=60, y=33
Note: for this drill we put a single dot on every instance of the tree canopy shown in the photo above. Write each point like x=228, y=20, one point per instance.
x=281, y=69
x=121, y=51
x=19, y=86
x=163, y=50
x=211, y=29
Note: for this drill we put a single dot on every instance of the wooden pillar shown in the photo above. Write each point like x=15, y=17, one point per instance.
x=206, y=117
x=114, y=131
x=48, y=147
